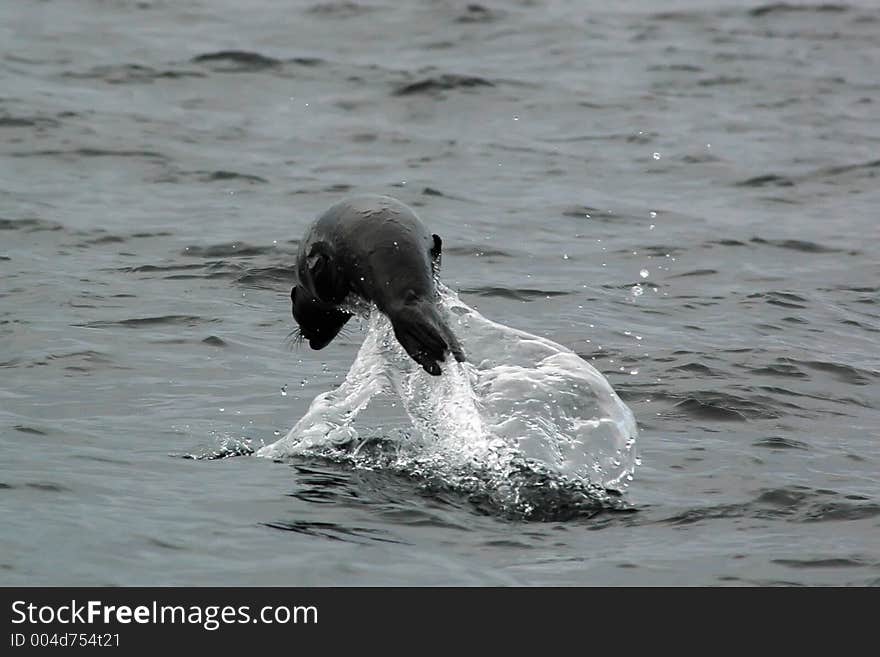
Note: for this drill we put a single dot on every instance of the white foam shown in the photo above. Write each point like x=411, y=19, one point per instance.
x=519, y=399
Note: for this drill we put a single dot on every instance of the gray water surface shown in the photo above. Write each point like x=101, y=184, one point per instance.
x=160, y=160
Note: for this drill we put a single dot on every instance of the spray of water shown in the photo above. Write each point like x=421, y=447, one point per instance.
x=525, y=425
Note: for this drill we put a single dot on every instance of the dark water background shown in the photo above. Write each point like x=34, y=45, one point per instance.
x=159, y=160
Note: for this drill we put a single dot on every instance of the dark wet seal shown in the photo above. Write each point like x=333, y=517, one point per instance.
x=237, y=61
x=521, y=294
x=145, y=322
x=766, y=180
x=785, y=7
x=230, y=175
x=214, y=341
x=31, y=430
x=778, y=442
x=833, y=562
x=445, y=82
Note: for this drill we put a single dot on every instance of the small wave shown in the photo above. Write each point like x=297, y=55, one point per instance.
x=765, y=180
x=227, y=250
x=474, y=13
x=339, y=9
x=832, y=562
x=237, y=61
x=439, y=83
x=779, y=442
x=132, y=74
x=477, y=251
x=28, y=122
x=231, y=175
x=144, y=322
x=226, y=447
x=792, y=503
x=786, y=8
x=526, y=427
x=29, y=225
x=521, y=294
x=333, y=531
x=804, y=246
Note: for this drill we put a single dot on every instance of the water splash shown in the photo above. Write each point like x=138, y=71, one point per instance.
x=526, y=425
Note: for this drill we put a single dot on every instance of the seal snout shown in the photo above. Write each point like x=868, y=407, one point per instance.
x=318, y=323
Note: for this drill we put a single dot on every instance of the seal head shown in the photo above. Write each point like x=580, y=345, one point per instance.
x=374, y=249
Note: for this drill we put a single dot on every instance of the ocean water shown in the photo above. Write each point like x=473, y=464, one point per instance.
x=683, y=193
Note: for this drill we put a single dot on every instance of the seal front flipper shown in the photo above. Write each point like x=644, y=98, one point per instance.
x=424, y=335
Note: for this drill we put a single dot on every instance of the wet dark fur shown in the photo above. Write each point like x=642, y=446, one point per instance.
x=376, y=248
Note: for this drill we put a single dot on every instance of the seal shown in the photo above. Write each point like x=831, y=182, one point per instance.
x=373, y=249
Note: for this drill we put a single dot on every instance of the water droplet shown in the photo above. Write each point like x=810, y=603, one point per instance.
x=565, y=256
x=651, y=227
x=633, y=372
x=644, y=273
x=653, y=214
x=284, y=390
x=656, y=156
x=222, y=409
x=516, y=118
x=637, y=290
